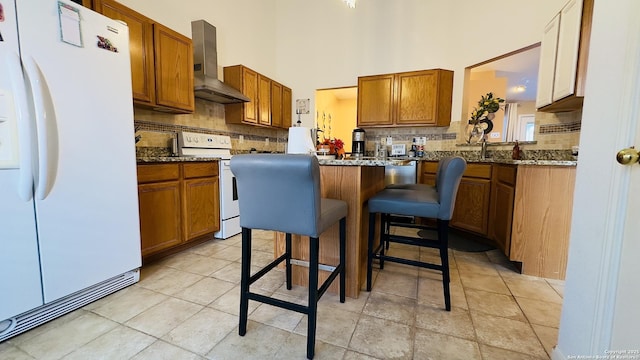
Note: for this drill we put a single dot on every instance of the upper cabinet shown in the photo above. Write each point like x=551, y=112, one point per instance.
x=161, y=60
x=270, y=101
x=416, y=98
x=563, y=58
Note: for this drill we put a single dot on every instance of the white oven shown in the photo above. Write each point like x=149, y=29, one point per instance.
x=217, y=146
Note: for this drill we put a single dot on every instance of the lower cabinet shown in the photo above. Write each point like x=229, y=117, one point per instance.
x=471, y=211
x=503, y=189
x=178, y=203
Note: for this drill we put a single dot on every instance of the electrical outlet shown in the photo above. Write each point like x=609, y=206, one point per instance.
x=389, y=140
x=241, y=139
x=266, y=141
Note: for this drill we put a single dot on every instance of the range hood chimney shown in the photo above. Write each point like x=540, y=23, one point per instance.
x=205, y=67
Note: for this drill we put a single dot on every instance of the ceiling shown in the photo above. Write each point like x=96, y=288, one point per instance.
x=519, y=69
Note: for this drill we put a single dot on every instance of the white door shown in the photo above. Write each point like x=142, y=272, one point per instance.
x=20, y=284
x=602, y=293
x=77, y=63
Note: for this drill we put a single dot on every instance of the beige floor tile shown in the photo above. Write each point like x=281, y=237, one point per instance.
x=261, y=258
x=205, y=291
x=163, y=317
x=333, y=326
x=230, y=253
x=456, y=322
x=235, y=240
x=476, y=268
x=475, y=257
x=432, y=345
x=197, y=264
x=295, y=347
x=352, y=355
x=391, y=307
x=9, y=351
x=270, y=281
x=494, y=353
x=259, y=343
x=129, y=303
x=430, y=292
x=130, y=342
x=548, y=336
x=331, y=301
x=484, y=282
x=277, y=317
x=230, y=301
x=54, y=324
x=557, y=285
x=532, y=288
x=507, y=334
x=494, y=304
x=541, y=312
x=396, y=284
x=209, y=248
x=203, y=331
x=161, y=350
x=171, y=281
x=382, y=338
x=64, y=339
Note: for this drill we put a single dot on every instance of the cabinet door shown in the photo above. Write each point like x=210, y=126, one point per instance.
x=375, y=100
x=276, y=104
x=416, y=99
x=264, y=100
x=567, y=57
x=286, y=107
x=159, y=216
x=547, y=67
x=250, y=89
x=201, y=207
x=502, y=215
x=141, y=48
x=174, y=69
x=471, y=211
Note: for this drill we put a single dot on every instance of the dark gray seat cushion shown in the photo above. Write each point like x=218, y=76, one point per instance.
x=281, y=192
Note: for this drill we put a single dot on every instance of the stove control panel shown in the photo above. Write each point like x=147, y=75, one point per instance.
x=203, y=141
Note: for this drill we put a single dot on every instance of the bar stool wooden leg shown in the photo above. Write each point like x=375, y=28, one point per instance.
x=244, y=280
x=372, y=230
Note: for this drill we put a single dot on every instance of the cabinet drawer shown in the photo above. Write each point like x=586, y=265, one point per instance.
x=506, y=174
x=158, y=172
x=430, y=167
x=200, y=169
x=478, y=171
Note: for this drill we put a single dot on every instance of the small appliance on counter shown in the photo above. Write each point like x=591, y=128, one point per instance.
x=357, y=138
x=398, y=150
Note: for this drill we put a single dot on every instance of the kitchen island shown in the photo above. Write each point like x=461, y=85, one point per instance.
x=354, y=181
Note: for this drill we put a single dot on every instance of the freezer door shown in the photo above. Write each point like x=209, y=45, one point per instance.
x=20, y=285
x=77, y=65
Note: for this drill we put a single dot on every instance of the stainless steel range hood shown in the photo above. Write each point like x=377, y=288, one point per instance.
x=205, y=67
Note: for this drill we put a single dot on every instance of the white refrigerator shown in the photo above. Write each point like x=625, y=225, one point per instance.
x=69, y=228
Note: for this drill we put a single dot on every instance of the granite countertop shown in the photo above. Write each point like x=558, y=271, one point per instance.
x=366, y=161
x=155, y=159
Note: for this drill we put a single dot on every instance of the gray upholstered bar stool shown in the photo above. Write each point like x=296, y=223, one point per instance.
x=435, y=202
x=282, y=193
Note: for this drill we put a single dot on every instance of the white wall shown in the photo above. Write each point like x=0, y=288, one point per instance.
x=315, y=44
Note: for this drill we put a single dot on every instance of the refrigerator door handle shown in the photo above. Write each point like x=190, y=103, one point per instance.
x=25, y=127
x=47, y=139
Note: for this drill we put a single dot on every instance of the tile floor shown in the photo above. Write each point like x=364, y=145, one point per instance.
x=186, y=307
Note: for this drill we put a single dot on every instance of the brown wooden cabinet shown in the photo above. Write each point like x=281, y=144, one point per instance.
x=503, y=190
x=416, y=98
x=471, y=210
x=161, y=60
x=286, y=107
x=178, y=203
x=270, y=101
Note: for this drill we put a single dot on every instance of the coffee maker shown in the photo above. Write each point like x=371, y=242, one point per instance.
x=357, y=139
